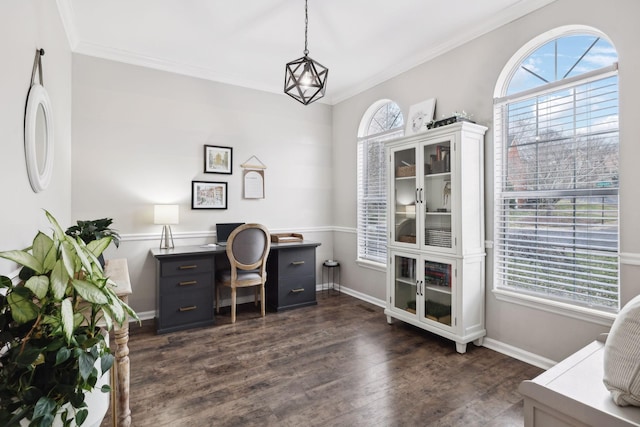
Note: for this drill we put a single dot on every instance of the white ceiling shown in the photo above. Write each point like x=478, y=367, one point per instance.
x=248, y=42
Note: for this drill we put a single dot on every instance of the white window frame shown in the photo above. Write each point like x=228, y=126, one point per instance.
x=365, y=257
x=594, y=315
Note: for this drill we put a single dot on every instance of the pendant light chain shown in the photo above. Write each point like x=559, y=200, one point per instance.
x=306, y=26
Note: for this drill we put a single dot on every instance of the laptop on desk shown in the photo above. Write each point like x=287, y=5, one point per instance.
x=223, y=230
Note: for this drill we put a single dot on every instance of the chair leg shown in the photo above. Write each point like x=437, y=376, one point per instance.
x=255, y=296
x=261, y=300
x=233, y=305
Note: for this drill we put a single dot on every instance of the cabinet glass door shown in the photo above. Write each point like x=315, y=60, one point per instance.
x=438, y=281
x=437, y=195
x=404, y=195
x=404, y=294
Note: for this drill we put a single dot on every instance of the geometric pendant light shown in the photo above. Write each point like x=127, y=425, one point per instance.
x=305, y=79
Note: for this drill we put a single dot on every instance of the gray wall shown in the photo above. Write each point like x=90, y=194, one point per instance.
x=138, y=137
x=138, y=140
x=25, y=26
x=464, y=79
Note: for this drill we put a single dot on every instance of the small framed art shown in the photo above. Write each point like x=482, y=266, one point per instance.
x=208, y=195
x=217, y=159
x=419, y=116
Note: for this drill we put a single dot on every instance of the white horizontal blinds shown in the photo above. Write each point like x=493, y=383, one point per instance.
x=372, y=198
x=382, y=121
x=557, y=193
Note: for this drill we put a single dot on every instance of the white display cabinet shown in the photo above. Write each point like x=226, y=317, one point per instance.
x=435, y=276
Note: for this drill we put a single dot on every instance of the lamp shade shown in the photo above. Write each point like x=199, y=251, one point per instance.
x=165, y=214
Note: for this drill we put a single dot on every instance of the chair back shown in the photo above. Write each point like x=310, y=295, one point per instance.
x=248, y=247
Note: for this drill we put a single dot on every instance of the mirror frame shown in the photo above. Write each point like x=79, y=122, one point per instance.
x=37, y=98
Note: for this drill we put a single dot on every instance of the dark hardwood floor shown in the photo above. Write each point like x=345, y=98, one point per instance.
x=335, y=364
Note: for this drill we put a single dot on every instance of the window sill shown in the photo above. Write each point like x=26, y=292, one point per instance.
x=556, y=307
x=372, y=265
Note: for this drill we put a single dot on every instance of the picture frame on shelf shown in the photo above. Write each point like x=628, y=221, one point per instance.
x=208, y=195
x=419, y=116
x=218, y=159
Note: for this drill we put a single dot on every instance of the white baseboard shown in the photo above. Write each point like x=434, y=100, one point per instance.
x=518, y=353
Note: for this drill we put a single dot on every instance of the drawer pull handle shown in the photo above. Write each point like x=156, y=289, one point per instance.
x=187, y=283
x=297, y=262
x=188, y=267
x=189, y=308
x=297, y=290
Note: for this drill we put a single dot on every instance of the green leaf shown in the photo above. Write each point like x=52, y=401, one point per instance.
x=23, y=258
x=106, y=362
x=29, y=356
x=89, y=292
x=5, y=282
x=81, y=416
x=50, y=259
x=41, y=248
x=66, y=312
x=62, y=355
x=108, y=321
x=59, y=280
x=116, y=309
x=44, y=407
x=23, y=309
x=59, y=234
x=85, y=363
x=106, y=388
x=39, y=285
x=80, y=253
x=68, y=259
x=97, y=247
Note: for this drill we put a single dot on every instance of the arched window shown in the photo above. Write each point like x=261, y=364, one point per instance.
x=382, y=121
x=556, y=171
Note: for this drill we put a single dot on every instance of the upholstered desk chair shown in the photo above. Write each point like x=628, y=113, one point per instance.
x=247, y=249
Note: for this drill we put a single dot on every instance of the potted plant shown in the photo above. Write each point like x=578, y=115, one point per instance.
x=53, y=324
x=94, y=229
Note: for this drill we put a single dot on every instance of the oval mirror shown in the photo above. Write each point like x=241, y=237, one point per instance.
x=38, y=138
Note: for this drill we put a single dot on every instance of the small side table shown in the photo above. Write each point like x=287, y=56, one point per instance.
x=331, y=268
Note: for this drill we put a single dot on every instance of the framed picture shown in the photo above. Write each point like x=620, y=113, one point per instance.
x=208, y=195
x=217, y=159
x=419, y=115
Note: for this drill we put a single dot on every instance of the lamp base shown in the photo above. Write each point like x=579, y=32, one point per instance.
x=166, y=239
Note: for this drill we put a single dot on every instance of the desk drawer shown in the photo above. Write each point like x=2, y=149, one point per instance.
x=185, y=309
x=295, y=291
x=187, y=283
x=186, y=266
x=296, y=262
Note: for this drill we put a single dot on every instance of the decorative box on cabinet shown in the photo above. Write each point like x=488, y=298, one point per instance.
x=436, y=232
x=291, y=277
x=185, y=291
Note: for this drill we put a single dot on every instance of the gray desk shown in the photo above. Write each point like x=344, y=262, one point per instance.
x=185, y=282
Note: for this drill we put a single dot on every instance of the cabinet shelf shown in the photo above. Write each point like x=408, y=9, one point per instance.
x=437, y=213
x=407, y=178
x=437, y=175
x=441, y=289
x=406, y=281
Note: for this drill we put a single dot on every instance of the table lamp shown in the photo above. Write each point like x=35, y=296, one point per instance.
x=166, y=215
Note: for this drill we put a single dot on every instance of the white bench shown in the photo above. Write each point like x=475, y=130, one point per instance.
x=572, y=394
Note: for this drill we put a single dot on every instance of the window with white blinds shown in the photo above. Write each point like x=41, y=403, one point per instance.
x=556, y=197
x=382, y=122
